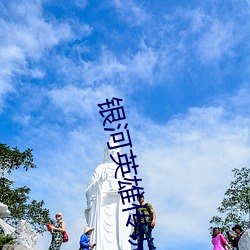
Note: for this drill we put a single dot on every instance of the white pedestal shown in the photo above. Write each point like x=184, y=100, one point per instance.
x=13, y=247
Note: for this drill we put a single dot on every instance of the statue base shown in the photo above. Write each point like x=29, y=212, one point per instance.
x=12, y=247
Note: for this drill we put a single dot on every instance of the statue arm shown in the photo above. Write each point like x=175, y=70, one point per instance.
x=8, y=229
x=90, y=190
x=94, y=184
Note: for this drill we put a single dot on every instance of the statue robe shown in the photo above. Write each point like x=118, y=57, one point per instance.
x=104, y=210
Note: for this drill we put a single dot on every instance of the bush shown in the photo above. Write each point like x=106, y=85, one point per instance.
x=6, y=240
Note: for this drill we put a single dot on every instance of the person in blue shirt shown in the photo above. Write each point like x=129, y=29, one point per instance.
x=85, y=239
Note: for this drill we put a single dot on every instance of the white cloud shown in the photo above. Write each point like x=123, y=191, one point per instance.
x=10, y=57
x=198, y=19
x=240, y=101
x=82, y=102
x=25, y=35
x=143, y=63
x=80, y=3
x=122, y=71
x=31, y=33
x=217, y=42
x=191, y=34
x=105, y=69
x=131, y=12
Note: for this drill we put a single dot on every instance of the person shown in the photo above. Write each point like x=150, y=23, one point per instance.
x=85, y=239
x=239, y=231
x=218, y=240
x=145, y=222
x=104, y=209
x=56, y=231
x=231, y=240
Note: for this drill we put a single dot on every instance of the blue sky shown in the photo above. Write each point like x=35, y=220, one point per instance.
x=182, y=70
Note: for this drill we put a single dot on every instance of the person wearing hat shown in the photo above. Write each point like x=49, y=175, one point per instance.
x=85, y=239
x=56, y=231
x=239, y=231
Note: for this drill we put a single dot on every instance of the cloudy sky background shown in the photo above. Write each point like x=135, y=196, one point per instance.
x=182, y=70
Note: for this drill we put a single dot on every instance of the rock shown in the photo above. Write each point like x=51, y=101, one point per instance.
x=244, y=242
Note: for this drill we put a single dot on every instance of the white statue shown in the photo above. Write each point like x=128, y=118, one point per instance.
x=4, y=212
x=244, y=242
x=104, y=206
x=25, y=235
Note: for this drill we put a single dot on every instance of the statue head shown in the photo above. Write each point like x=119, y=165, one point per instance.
x=113, y=152
x=4, y=212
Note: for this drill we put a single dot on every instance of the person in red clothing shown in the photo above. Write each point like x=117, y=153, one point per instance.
x=218, y=240
x=56, y=232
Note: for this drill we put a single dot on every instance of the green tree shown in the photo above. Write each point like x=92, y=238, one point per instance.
x=17, y=199
x=235, y=207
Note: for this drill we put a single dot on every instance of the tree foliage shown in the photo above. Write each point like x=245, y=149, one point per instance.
x=235, y=207
x=13, y=158
x=17, y=199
